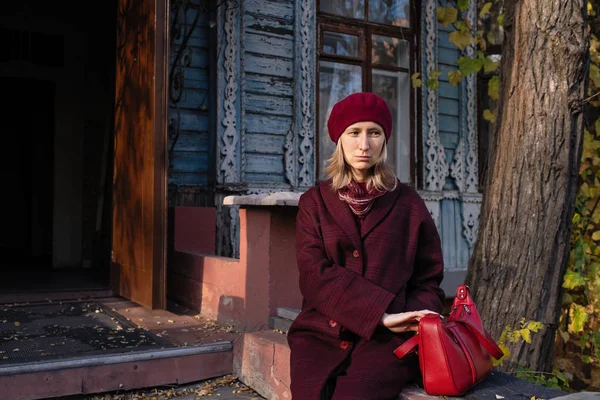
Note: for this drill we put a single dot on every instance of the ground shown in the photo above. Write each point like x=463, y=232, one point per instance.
x=223, y=388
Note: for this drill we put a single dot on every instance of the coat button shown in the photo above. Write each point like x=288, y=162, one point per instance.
x=355, y=253
x=344, y=345
x=332, y=323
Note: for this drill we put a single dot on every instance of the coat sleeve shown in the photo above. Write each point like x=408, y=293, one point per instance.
x=340, y=294
x=423, y=289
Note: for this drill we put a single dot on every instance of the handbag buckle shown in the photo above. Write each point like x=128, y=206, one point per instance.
x=467, y=309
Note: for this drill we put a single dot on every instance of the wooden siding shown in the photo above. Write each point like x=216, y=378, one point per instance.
x=189, y=152
x=268, y=60
x=449, y=97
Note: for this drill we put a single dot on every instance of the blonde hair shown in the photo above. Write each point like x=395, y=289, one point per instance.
x=339, y=171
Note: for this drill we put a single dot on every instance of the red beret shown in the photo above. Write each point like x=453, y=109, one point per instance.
x=359, y=107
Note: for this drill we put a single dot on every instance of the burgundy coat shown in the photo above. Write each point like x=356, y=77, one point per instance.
x=351, y=275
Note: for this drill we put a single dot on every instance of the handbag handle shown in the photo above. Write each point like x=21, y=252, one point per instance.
x=487, y=342
x=407, y=347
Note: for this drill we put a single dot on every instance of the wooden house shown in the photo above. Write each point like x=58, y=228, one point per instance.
x=118, y=122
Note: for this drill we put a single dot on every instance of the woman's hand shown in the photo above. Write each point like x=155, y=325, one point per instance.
x=404, y=322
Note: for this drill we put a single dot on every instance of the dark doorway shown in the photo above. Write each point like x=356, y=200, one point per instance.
x=26, y=172
x=57, y=78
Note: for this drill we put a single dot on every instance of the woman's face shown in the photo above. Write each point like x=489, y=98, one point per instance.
x=362, y=143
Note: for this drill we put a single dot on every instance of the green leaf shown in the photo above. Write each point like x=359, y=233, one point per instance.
x=460, y=39
x=494, y=88
x=454, y=77
x=491, y=37
x=463, y=4
x=416, y=79
x=576, y=218
x=501, y=19
x=469, y=66
x=432, y=81
x=572, y=280
x=485, y=9
x=489, y=65
x=489, y=116
x=446, y=15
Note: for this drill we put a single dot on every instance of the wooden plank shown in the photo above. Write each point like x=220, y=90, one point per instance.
x=271, y=66
x=447, y=232
x=449, y=123
x=199, y=58
x=449, y=106
x=187, y=161
x=283, y=9
x=269, y=45
x=197, y=42
x=188, y=178
x=266, y=144
x=271, y=85
x=448, y=56
x=271, y=105
x=444, y=69
x=449, y=139
x=194, y=99
x=193, y=121
x=264, y=164
x=191, y=141
x=262, y=25
x=265, y=178
x=274, y=125
x=195, y=78
x=448, y=91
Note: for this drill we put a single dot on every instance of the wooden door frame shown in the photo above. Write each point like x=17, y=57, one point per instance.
x=160, y=165
x=161, y=108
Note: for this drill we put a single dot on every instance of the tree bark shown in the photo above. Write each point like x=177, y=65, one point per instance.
x=522, y=248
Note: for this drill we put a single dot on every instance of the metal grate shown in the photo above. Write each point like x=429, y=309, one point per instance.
x=39, y=332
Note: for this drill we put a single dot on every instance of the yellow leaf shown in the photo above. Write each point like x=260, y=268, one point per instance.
x=446, y=15
x=454, y=77
x=596, y=235
x=460, y=39
x=416, y=80
x=17, y=323
x=526, y=335
x=489, y=116
x=485, y=9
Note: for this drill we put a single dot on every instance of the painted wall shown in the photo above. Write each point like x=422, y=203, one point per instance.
x=264, y=115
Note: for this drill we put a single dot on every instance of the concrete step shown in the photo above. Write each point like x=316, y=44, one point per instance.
x=262, y=361
x=280, y=324
x=98, y=374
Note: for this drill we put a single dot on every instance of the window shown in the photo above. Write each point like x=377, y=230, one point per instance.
x=369, y=45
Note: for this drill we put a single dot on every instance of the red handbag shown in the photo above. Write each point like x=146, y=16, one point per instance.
x=456, y=353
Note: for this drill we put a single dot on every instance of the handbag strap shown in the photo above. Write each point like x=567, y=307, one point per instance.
x=486, y=341
x=407, y=347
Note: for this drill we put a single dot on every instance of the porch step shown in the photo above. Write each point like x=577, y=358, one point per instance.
x=65, y=295
x=283, y=320
x=134, y=370
x=262, y=361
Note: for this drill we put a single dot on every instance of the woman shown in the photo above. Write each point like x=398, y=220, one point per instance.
x=370, y=266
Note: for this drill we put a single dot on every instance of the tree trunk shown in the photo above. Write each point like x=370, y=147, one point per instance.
x=522, y=248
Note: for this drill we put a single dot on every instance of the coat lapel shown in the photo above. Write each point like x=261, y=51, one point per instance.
x=381, y=208
x=341, y=213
